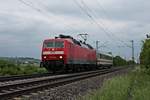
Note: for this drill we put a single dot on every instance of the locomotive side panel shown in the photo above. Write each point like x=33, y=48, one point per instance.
x=83, y=55
x=76, y=54
x=69, y=52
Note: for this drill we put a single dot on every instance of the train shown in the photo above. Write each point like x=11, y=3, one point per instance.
x=66, y=53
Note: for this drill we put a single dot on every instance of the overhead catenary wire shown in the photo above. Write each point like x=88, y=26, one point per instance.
x=115, y=37
x=88, y=12
x=122, y=41
x=103, y=9
x=85, y=8
x=31, y=6
x=90, y=16
x=107, y=15
x=42, y=11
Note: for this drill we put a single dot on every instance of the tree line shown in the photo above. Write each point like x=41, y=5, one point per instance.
x=119, y=61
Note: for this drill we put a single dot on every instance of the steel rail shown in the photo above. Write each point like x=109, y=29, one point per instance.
x=18, y=77
x=17, y=89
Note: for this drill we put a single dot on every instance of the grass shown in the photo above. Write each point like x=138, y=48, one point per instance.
x=9, y=68
x=141, y=87
x=21, y=70
x=135, y=85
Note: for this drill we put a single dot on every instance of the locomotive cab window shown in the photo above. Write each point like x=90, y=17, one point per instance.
x=53, y=44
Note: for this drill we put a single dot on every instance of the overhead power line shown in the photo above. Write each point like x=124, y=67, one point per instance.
x=106, y=29
x=102, y=9
x=107, y=15
x=90, y=14
x=42, y=11
x=31, y=6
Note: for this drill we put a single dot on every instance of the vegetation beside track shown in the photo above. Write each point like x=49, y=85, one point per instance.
x=119, y=61
x=10, y=68
x=145, y=56
x=133, y=86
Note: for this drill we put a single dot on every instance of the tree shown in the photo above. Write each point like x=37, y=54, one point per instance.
x=145, y=54
x=119, y=61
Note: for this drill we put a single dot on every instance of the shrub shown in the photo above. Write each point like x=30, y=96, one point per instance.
x=145, y=55
x=118, y=61
x=9, y=68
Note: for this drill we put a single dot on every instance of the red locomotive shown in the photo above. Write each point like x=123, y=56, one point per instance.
x=66, y=53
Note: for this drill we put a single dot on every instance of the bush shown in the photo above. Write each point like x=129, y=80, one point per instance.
x=4, y=63
x=118, y=61
x=9, y=68
x=145, y=55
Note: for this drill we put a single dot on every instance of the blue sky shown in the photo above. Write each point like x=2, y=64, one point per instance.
x=24, y=24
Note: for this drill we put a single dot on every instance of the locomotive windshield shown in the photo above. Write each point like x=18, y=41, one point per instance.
x=53, y=44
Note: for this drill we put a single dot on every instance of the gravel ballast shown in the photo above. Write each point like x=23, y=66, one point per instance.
x=74, y=90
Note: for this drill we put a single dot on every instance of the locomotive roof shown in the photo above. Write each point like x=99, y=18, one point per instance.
x=80, y=43
x=71, y=39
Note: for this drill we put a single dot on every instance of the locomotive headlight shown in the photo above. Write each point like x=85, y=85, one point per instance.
x=44, y=57
x=60, y=57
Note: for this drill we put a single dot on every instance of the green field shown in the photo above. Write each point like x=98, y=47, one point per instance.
x=133, y=86
x=10, y=68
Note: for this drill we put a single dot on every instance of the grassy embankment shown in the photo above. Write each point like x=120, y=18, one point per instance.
x=133, y=86
x=9, y=68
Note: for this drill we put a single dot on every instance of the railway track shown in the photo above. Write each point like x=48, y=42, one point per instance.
x=29, y=76
x=19, y=77
x=25, y=86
